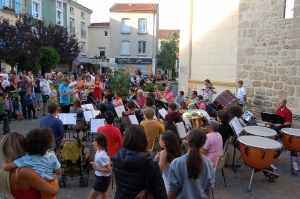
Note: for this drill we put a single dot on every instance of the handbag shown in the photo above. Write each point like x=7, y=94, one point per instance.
x=145, y=193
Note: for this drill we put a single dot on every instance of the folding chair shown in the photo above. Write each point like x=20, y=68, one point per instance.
x=155, y=145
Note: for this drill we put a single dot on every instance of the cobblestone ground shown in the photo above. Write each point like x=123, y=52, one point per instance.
x=285, y=187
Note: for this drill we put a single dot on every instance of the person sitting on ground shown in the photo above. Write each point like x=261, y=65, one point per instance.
x=102, y=109
x=224, y=129
x=153, y=128
x=173, y=116
x=113, y=134
x=37, y=144
x=213, y=147
x=21, y=183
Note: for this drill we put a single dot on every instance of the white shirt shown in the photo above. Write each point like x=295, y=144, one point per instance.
x=208, y=96
x=241, y=92
x=92, y=78
x=5, y=83
x=45, y=85
x=101, y=160
x=72, y=83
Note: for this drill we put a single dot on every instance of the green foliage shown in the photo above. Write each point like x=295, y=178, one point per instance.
x=96, y=67
x=149, y=87
x=49, y=58
x=1, y=106
x=34, y=67
x=119, y=80
x=167, y=55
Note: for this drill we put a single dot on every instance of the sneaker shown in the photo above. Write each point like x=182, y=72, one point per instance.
x=35, y=118
x=39, y=109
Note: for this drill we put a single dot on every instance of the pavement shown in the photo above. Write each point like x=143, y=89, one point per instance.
x=285, y=187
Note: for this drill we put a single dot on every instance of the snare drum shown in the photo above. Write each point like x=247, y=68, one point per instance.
x=291, y=139
x=260, y=131
x=223, y=100
x=259, y=152
x=249, y=117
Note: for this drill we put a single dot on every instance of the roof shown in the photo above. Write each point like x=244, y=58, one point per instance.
x=101, y=24
x=167, y=33
x=134, y=7
x=81, y=6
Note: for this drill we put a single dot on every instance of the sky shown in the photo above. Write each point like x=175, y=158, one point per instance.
x=169, y=10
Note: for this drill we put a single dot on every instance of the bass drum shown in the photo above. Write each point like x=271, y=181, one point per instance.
x=259, y=152
x=291, y=139
x=249, y=118
x=223, y=100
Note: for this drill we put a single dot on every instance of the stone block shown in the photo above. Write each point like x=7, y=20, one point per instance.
x=257, y=68
x=267, y=77
x=268, y=70
x=257, y=101
x=271, y=92
x=242, y=74
x=278, y=85
x=263, y=6
x=275, y=99
x=294, y=81
x=297, y=94
x=244, y=24
x=293, y=102
x=262, y=97
x=244, y=7
x=282, y=94
x=281, y=71
x=256, y=84
x=256, y=75
x=290, y=90
x=267, y=103
x=247, y=67
x=250, y=92
x=249, y=51
x=292, y=71
x=296, y=21
x=274, y=78
x=251, y=33
x=284, y=78
x=268, y=84
x=260, y=91
x=255, y=24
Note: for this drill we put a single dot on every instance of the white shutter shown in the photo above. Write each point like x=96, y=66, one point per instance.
x=126, y=25
x=125, y=48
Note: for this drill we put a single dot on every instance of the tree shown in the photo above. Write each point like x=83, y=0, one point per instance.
x=49, y=58
x=119, y=80
x=167, y=55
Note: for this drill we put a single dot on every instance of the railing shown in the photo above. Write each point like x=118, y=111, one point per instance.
x=72, y=30
x=83, y=33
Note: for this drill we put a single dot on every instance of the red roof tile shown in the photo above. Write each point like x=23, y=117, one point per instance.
x=167, y=33
x=102, y=24
x=134, y=7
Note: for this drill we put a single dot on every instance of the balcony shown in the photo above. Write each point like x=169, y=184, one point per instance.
x=72, y=30
x=83, y=33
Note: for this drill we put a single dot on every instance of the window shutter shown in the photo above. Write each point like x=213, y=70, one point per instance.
x=18, y=7
x=125, y=47
x=1, y=4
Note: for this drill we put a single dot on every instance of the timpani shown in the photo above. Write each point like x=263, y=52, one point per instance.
x=260, y=131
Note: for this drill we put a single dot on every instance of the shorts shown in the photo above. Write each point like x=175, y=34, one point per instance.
x=45, y=98
x=37, y=97
x=102, y=183
x=46, y=196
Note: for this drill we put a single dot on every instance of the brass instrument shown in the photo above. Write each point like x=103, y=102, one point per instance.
x=195, y=117
x=192, y=86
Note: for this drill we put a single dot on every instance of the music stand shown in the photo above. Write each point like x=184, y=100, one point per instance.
x=272, y=118
x=161, y=104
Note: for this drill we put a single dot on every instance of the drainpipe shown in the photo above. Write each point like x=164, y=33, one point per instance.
x=153, y=38
x=190, y=41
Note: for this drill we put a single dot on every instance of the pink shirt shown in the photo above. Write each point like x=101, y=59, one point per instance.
x=141, y=101
x=118, y=102
x=202, y=106
x=168, y=96
x=214, y=146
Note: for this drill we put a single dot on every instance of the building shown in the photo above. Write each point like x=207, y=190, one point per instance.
x=134, y=35
x=254, y=41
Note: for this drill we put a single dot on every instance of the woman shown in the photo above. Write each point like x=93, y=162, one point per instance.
x=208, y=92
x=180, y=97
x=131, y=111
x=131, y=95
x=182, y=107
x=90, y=85
x=173, y=116
x=80, y=83
x=98, y=89
x=199, y=102
x=149, y=103
x=224, y=129
x=192, y=175
x=133, y=165
x=118, y=101
x=169, y=142
x=21, y=183
x=13, y=90
x=77, y=109
x=236, y=111
x=153, y=128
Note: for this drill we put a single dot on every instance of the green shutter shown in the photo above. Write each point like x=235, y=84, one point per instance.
x=17, y=7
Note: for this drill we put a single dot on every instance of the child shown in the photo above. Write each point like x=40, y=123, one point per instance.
x=7, y=106
x=102, y=168
x=18, y=108
x=200, y=104
x=53, y=94
x=83, y=95
x=29, y=99
x=37, y=143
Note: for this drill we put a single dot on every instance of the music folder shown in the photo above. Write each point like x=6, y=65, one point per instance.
x=88, y=115
x=181, y=130
x=87, y=106
x=119, y=110
x=237, y=127
x=186, y=121
x=67, y=118
x=163, y=112
x=96, y=123
x=129, y=120
x=272, y=118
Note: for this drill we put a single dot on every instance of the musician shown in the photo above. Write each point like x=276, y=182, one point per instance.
x=242, y=92
x=131, y=95
x=286, y=114
x=118, y=101
x=172, y=116
x=108, y=103
x=225, y=129
x=200, y=103
x=208, y=92
x=180, y=97
x=168, y=96
x=193, y=95
x=149, y=103
x=131, y=111
x=79, y=111
x=72, y=82
x=141, y=98
x=213, y=147
x=236, y=111
x=102, y=109
x=64, y=92
x=153, y=128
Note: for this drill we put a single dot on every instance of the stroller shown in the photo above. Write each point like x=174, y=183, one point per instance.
x=74, y=162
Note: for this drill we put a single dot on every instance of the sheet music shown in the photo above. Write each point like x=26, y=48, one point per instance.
x=237, y=127
x=88, y=106
x=163, y=112
x=67, y=118
x=120, y=110
x=133, y=119
x=95, y=113
x=181, y=129
x=207, y=116
x=95, y=124
x=137, y=104
x=186, y=121
x=87, y=115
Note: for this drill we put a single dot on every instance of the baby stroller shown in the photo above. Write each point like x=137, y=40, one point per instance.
x=74, y=162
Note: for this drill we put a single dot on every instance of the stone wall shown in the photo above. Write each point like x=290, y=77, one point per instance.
x=268, y=56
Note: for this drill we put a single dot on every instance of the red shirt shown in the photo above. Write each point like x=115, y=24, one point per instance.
x=114, y=138
x=287, y=115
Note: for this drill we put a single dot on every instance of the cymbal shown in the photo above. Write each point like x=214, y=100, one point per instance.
x=192, y=86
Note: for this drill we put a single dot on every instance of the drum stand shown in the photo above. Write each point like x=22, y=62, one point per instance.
x=268, y=172
x=294, y=165
x=233, y=166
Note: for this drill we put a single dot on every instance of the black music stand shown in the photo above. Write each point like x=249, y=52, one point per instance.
x=161, y=104
x=272, y=118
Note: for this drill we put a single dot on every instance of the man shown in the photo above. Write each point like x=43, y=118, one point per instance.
x=14, y=78
x=141, y=98
x=64, y=93
x=72, y=82
x=37, y=93
x=20, y=74
x=108, y=103
x=113, y=134
x=168, y=96
x=39, y=75
x=45, y=90
x=242, y=92
x=52, y=122
x=4, y=82
x=194, y=96
x=213, y=147
x=286, y=114
x=23, y=86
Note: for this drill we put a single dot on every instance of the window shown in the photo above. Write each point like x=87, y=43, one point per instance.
x=82, y=46
x=141, y=47
x=59, y=17
x=36, y=9
x=289, y=9
x=142, y=25
x=71, y=27
x=59, y=4
x=7, y=3
x=125, y=26
x=102, y=52
x=71, y=10
x=82, y=15
x=125, y=48
x=105, y=33
x=59, y=13
x=82, y=29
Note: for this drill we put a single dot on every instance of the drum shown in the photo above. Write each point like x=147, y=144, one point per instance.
x=249, y=118
x=261, y=124
x=291, y=139
x=260, y=131
x=225, y=99
x=259, y=152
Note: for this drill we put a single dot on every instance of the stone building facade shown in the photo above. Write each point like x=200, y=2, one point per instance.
x=268, y=53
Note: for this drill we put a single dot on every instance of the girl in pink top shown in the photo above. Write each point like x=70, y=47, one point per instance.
x=118, y=101
x=200, y=104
